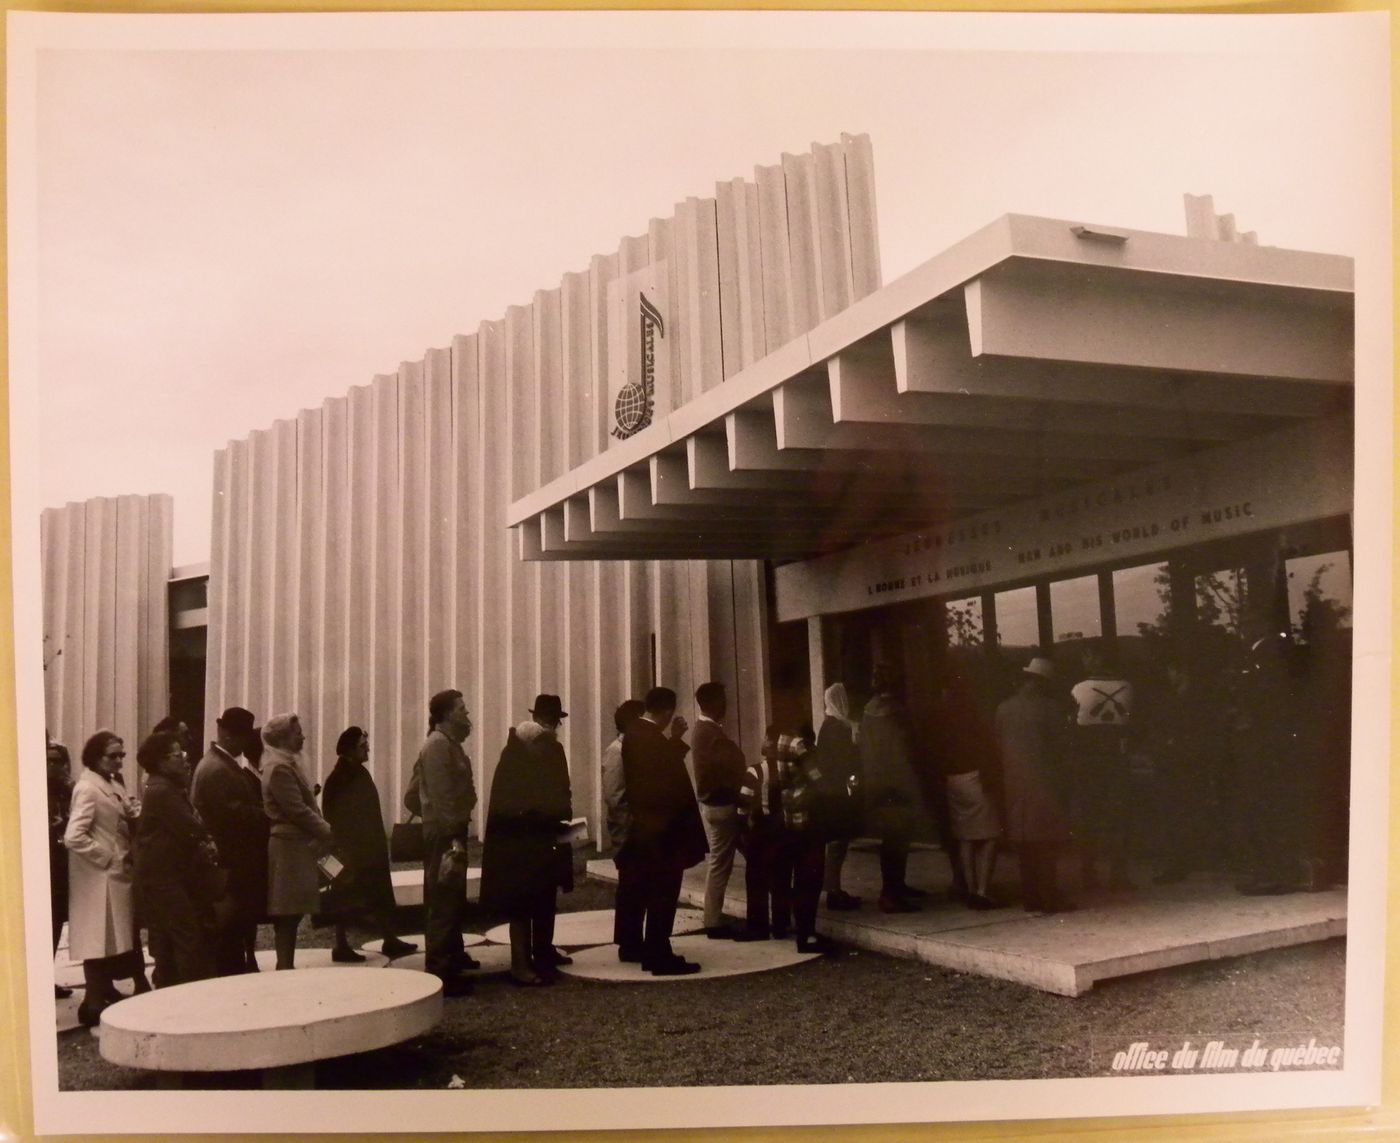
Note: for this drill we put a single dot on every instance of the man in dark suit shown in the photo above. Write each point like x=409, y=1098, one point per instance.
x=719, y=772
x=231, y=807
x=665, y=838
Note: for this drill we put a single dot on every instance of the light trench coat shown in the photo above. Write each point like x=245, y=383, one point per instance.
x=100, y=910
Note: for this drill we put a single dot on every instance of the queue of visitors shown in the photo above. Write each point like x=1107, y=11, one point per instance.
x=203, y=859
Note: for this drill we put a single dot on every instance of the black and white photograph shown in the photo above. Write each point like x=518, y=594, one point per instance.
x=616, y=570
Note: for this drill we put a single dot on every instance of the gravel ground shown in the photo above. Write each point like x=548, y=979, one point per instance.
x=855, y=1017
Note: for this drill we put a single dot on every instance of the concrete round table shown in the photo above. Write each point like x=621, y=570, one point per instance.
x=279, y=1023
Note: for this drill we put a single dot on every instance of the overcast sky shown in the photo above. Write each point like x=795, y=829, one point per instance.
x=228, y=235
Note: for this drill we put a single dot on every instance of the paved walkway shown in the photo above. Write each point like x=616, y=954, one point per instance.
x=1109, y=935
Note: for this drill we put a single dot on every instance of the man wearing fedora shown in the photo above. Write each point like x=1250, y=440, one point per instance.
x=232, y=809
x=1031, y=730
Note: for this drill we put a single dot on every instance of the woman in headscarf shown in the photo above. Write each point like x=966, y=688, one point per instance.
x=60, y=781
x=350, y=802
x=299, y=835
x=178, y=878
x=523, y=863
x=840, y=761
x=102, y=930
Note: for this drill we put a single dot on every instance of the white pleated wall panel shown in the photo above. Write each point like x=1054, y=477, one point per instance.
x=799, y=181
x=522, y=599
x=411, y=572
x=440, y=598
x=310, y=689
x=129, y=621
x=467, y=549
x=281, y=614
x=325, y=664
x=860, y=194
x=490, y=479
x=359, y=548
x=550, y=402
x=779, y=319
x=385, y=584
x=159, y=547
x=833, y=228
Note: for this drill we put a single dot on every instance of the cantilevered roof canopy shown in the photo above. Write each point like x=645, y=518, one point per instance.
x=1035, y=355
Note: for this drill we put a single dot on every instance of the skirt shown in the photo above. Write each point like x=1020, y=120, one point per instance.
x=970, y=812
x=293, y=881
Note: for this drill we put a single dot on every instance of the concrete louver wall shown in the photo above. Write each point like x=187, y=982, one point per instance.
x=106, y=566
x=360, y=557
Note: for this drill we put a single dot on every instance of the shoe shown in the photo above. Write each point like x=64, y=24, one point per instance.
x=467, y=963
x=721, y=932
x=629, y=956
x=891, y=904
x=816, y=943
x=394, y=947
x=347, y=955
x=528, y=979
x=910, y=893
x=981, y=902
x=89, y=1015
x=676, y=966
x=841, y=901
x=554, y=958
x=61, y=993
x=455, y=986
x=744, y=935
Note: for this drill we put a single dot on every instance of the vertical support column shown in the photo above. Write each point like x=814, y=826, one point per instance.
x=1181, y=581
x=990, y=639
x=816, y=666
x=1108, y=610
x=155, y=649
x=1045, y=622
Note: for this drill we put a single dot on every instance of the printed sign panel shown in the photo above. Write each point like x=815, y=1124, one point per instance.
x=639, y=344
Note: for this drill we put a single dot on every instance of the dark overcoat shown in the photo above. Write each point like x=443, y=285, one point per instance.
x=666, y=830
x=350, y=802
x=228, y=799
x=1031, y=730
x=521, y=860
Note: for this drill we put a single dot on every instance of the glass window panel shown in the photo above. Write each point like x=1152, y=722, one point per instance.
x=1074, y=609
x=1319, y=594
x=1140, y=597
x=1220, y=598
x=1018, y=628
x=964, y=622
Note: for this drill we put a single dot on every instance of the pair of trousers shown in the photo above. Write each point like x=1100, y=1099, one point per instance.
x=445, y=905
x=783, y=881
x=647, y=894
x=722, y=826
x=835, y=861
x=894, y=864
x=180, y=937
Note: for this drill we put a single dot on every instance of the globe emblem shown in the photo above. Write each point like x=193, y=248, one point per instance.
x=632, y=410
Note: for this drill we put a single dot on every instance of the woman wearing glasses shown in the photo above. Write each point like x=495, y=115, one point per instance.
x=102, y=929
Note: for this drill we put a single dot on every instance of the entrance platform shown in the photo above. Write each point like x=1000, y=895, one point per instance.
x=1109, y=935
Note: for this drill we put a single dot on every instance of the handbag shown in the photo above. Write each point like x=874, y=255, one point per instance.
x=406, y=841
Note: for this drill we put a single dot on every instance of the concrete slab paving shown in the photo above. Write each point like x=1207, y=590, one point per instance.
x=1110, y=935
x=595, y=927
x=716, y=959
x=493, y=958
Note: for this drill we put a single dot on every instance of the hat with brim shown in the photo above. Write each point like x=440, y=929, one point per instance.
x=1041, y=667
x=237, y=720
x=548, y=706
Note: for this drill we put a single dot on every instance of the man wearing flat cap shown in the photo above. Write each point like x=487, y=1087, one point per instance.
x=231, y=808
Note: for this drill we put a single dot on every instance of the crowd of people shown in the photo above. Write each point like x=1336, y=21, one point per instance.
x=208, y=854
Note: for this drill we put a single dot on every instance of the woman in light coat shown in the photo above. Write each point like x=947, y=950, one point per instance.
x=102, y=930
x=300, y=835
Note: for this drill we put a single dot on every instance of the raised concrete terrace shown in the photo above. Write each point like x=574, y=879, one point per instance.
x=1109, y=935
